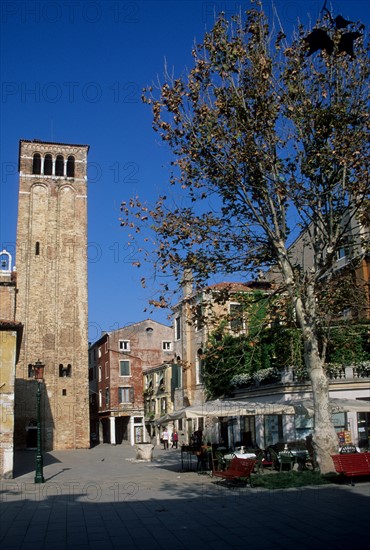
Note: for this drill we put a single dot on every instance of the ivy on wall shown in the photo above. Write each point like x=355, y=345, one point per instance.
x=256, y=358
x=348, y=344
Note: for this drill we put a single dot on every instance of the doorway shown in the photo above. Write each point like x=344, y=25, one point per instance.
x=122, y=423
x=31, y=435
x=363, y=430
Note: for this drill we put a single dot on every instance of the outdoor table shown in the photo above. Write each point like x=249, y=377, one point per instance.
x=228, y=458
x=298, y=456
x=299, y=452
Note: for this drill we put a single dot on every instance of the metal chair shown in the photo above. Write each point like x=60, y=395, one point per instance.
x=274, y=458
x=286, y=458
x=259, y=464
x=312, y=460
x=220, y=461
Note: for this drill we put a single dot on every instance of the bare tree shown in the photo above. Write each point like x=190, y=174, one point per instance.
x=270, y=139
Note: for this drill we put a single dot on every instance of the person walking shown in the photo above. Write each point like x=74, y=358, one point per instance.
x=197, y=438
x=175, y=439
x=165, y=438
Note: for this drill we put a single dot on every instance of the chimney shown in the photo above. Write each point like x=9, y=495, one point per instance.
x=187, y=283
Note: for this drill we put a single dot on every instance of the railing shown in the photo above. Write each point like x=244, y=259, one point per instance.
x=332, y=372
x=361, y=372
x=349, y=372
x=335, y=374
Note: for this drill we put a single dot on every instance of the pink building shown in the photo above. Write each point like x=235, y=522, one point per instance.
x=117, y=362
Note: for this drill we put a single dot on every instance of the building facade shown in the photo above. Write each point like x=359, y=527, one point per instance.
x=8, y=287
x=273, y=427
x=52, y=293
x=264, y=413
x=10, y=339
x=117, y=364
x=194, y=318
x=160, y=384
x=351, y=259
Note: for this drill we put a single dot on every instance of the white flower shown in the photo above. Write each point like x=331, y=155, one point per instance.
x=240, y=380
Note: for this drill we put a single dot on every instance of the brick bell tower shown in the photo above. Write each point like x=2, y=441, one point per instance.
x=51, y=263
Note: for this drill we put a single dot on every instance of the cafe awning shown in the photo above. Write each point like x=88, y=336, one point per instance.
x=186, y=412
x=224, y=408
x=337, y=405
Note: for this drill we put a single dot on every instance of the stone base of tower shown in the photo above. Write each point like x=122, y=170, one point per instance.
x=63, y=425
x=60, y=439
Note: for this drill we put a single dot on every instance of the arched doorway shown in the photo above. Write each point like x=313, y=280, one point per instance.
x=31, y=437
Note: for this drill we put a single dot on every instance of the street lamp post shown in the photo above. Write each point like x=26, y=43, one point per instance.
x=38, y=369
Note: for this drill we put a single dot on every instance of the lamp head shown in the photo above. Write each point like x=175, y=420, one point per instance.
x=38, y=368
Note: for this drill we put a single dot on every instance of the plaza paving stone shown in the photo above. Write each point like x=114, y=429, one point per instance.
x=104, y=498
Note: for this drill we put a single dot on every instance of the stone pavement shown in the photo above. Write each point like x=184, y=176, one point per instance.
x=103, y=498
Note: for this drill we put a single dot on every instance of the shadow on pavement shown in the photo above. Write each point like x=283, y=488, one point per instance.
x=128, y=515
x=25, y=462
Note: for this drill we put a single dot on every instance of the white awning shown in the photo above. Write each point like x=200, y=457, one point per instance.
x=224, y=408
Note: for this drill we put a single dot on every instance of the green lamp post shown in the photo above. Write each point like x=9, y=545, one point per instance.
x=38, y=369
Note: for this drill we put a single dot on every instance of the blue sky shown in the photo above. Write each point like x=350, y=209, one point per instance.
x=73, y=71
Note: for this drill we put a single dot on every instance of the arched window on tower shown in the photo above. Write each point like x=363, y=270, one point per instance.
x=65, y=371
x=59, y=166
x=71, y=167
x=36, y=164
x=48, y=165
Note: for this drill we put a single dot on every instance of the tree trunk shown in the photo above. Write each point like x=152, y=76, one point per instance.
x=325, y=439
